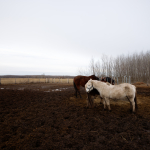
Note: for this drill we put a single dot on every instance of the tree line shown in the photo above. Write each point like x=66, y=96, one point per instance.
x=137, y=66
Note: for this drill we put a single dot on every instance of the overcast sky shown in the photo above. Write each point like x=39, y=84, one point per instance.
x=58, y=37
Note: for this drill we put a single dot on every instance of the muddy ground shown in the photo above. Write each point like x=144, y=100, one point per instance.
x=49, y=117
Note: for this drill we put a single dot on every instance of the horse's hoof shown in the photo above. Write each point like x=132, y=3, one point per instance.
x=133, y=112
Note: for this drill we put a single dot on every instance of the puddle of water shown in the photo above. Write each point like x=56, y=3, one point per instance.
x=64, y=88
x=56, y=90
x=21, y=89
x=53, y=90
x=61, y=89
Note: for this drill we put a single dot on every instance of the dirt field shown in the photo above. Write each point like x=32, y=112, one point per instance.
x=49, y=117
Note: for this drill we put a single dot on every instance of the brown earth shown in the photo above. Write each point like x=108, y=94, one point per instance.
x=48, y=117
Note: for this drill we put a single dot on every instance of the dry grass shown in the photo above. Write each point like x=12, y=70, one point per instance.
x=34, y=80
x=138, y=83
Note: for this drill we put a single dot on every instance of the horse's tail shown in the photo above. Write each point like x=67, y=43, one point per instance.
x=76, y=90
x=74, y=86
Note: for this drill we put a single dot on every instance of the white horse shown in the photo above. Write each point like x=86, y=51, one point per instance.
x=124, y=91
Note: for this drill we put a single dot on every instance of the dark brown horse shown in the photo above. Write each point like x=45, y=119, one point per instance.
x=91, y=96
x=81, y=81
x=108, y=79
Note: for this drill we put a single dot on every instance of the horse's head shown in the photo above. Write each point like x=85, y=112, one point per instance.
x=96, y=78
x=89, y=86
x=93, y=77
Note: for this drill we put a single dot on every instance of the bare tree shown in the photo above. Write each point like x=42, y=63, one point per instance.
x=136, y=65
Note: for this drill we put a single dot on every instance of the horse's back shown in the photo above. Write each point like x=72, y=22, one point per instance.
x=82, y=80
x=79, y=80
x=124, y=89
x=77, y=77
x=128, y=86
x=119, y=91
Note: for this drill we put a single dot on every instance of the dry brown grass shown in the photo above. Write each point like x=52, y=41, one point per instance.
x=34, y=80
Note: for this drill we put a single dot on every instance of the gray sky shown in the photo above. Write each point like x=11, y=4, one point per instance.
x=58, y=37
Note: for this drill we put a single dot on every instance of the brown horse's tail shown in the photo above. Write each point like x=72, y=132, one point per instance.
x=76, y=90
x=74, y=86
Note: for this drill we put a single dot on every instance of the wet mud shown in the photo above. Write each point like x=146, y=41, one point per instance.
x=44, y=116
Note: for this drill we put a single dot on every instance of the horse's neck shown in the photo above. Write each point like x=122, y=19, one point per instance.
x=95, y=84
x=90, y=76
x=86, y=79
x=100, y=85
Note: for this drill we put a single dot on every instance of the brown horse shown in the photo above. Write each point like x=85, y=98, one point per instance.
x=81, y=81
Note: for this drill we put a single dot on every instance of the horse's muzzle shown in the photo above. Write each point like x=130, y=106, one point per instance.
x=89, y=89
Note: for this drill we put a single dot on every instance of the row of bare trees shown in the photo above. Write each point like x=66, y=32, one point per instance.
x=137, y=66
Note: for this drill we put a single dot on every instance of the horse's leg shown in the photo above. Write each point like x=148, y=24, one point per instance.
x=101, y=100
x=88, y=100
x=78, y=90
x=75, y=87
x=132, y=104
x=92, y=101
x=131, y=107
x=104, y=103
x=79, y=94
x=108, y=103
x=76, y=93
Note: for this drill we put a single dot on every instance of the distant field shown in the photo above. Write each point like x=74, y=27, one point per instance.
x=34, y=80
x=54, y=80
